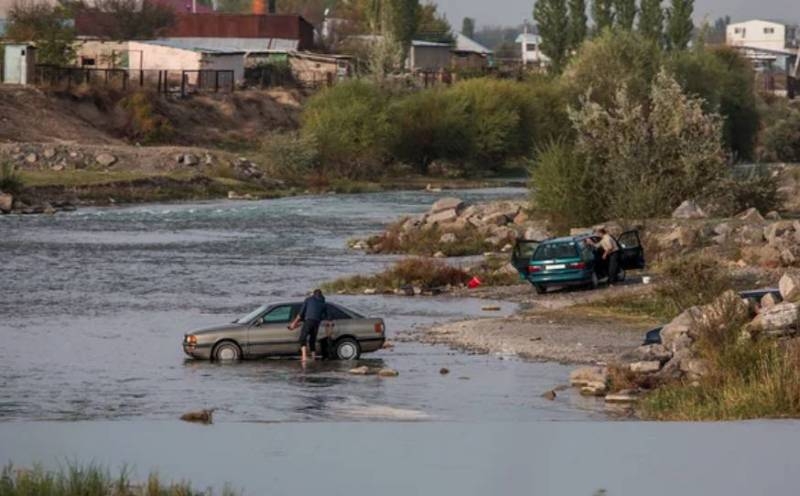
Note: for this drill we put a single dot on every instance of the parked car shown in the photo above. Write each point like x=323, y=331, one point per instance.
x=264, y=333
x=572, y=261
x=653, y=336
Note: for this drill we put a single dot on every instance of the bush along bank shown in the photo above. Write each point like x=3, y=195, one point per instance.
x=727, y=360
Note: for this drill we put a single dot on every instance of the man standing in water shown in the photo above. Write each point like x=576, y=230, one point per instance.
x=312, y=313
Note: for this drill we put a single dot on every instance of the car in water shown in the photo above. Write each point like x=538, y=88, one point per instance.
x=653, y=336
x=572, y=261
x=264, y=333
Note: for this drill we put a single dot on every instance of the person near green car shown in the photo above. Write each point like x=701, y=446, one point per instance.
x=611, y=251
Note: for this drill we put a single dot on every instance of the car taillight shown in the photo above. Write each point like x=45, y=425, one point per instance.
x=379, y=327
x=577, y=265
x=534, y=268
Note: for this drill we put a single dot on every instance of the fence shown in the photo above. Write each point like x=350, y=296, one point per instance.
x=182, y=82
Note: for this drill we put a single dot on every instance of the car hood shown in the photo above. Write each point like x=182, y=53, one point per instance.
x=216, y=329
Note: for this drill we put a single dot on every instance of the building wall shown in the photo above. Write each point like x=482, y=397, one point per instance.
x=19, y=64
x=224, y=62
x=320, y=69
x=470, y=60
x=157, y=57
x=757, y=34
x=105, y=54
x=429, y=58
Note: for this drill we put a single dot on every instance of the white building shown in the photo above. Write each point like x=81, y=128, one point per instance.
x=530, y=44
x=766, y=43
x=163, y=55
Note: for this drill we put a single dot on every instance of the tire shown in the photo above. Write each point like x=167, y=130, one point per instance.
x=540, y=289
x=227, y=351
x=346, y=349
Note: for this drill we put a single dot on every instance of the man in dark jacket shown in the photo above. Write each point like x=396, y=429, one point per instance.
x=312, y=313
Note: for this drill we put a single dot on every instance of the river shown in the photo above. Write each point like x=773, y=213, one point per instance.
x=93, y=306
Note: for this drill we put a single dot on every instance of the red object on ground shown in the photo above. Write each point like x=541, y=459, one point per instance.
x=474, y=283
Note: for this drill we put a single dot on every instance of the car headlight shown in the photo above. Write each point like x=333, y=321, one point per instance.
x=191, y=339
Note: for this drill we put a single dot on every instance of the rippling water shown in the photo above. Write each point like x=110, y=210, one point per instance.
x=93, y=306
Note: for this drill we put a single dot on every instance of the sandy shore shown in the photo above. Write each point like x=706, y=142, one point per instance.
x=553, y=327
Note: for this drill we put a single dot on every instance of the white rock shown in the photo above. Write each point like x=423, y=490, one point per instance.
x=594, y=389
x=6, y=202
x=448, y=238
x=689, y=210
x=447, y=204
x=585, y=375
x=105, y=159
x=790, y=287
x=31, y=158
x=370, y=291
x=675, y=335
x=442, y=217
x=782, y=319
x=751, y=215
x=622, y=398
x=645, y=367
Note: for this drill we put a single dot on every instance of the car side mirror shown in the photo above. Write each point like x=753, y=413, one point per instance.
x=258, y=322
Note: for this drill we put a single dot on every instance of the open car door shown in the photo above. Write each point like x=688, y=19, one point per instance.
x=522, y=254
x=631, y=251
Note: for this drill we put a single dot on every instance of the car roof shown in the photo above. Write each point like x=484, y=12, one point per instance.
x=567, y=239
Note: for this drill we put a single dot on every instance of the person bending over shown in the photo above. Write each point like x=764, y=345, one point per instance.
x=312, y=313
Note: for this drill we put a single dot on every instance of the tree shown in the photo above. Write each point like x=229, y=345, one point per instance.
x=625, y=13
x=46, y=25
x=133, y=20
x=402, y=19
x=679, y=24
x=577, y=23
x=651, y=20
x=551, y=17
x=468, y=27
x=432, y=25
x=603, y=14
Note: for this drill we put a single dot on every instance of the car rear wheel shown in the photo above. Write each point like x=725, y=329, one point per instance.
x=227, y=351
x=347, y=349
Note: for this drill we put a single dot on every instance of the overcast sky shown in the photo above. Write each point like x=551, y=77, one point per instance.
x=513, y=12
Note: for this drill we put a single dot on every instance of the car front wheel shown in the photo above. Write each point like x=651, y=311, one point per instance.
x=347, y=349
x=227, y=351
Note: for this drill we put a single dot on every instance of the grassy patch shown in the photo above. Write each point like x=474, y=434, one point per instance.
x=10, y=179
x=91, y=480
x=88, y=177
x=420, y=272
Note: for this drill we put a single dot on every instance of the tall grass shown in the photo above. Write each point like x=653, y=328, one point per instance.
x=421, y=272
x=426, y=242
x=10, y=180
x=89, y=480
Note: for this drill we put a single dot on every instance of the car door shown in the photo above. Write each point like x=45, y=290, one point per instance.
x=631, y=251
x=270, y=336
x=522, y=254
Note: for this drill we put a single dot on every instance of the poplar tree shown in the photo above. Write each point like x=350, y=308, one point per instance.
x=468, y=27
x=603, y=14
x=625, y=13
x=651, y=20
x=552, y=19
x=577, y=23
x=679, y=24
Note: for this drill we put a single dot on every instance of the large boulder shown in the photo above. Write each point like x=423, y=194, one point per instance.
x=496, y=219
x=676, y=336
x=645, y=367
x=775, y=232
x=694, y=368
x=780, y=320
x=750, y=235
x=751, y=215
x=585, y=376
x=790, y=287
x=105, y=159
x=679, y=237
x=649, y=353
x=689, y=210
x=6, y=202
x=447, y=204
x=536, y=234
x=726, y=308
x=443, y=217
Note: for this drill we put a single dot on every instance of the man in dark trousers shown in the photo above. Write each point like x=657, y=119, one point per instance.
x=611, y=252
x=312, y=313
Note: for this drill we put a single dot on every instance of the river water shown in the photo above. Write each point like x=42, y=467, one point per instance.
x=94, y=305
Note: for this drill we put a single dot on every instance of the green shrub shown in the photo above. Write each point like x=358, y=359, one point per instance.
x=781, y=139
x=144, y=123
x=351, y=126
x=395, y=240
x=425, y=273
x=290, y=155
x=10, y=180
x=752, y=188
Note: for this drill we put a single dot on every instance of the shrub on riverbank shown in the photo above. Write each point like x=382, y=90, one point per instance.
x=466, y=240
x=424, y=273
x=90, y=480
x=10, y=180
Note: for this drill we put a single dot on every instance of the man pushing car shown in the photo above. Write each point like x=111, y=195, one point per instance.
x=312, y=313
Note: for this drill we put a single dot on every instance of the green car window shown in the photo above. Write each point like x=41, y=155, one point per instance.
x=279, y=315
x=555, y=251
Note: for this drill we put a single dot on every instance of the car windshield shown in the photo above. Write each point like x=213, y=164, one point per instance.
x=252, y=315
x=553, y=251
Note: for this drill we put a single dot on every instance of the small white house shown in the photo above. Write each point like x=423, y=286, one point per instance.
x=759, y=34
x=530, y=44
x=19, y=64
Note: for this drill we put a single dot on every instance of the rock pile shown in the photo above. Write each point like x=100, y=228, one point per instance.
x=677, y=357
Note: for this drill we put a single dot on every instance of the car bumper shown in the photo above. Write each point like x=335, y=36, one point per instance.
x=198, y=352
x=372, y=344
x=563, y=279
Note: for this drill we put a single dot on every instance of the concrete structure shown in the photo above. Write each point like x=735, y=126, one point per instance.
x=428, y=56
x=531, y=52
x=19, y=64
x=469, y=54
x=315, y=69
x=100, y=54
x=161, y=55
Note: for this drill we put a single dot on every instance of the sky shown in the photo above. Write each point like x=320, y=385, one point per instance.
x=513, y=12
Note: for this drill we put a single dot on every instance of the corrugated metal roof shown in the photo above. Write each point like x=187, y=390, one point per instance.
x=467, y=44
x=530, y=38
x=420, y=43
x=234, y=44
x=193, y=48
